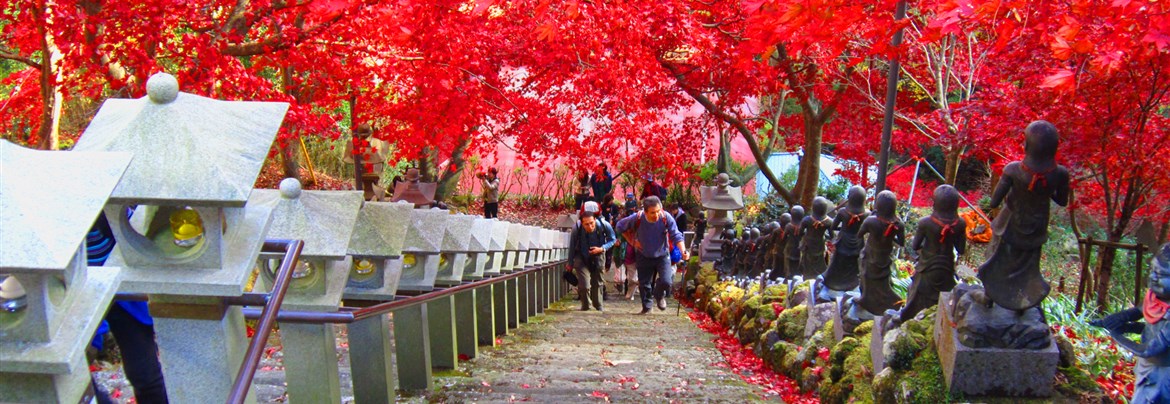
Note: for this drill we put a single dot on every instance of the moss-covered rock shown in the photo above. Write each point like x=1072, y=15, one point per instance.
x=902, y=347
x=858, y=372
x=922, y=383
x=1068, y=357
x=781, y=351
x=1072, y=381
x=790, y=323
x=864, y=328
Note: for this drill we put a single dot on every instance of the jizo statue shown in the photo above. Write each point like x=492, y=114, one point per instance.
x=843, y=267
x=779, y=257
x=1153, y=352
x=813, y=230
x=792, y=242
x=882, y=231
x=1011, y=276
x=939, y=239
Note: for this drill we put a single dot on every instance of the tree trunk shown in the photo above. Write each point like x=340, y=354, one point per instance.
x=954, y=157
x=810, y=163
x=1104, y=275
x=449, y=180
x=49, y=132
x=288, y=148
x=288, y=158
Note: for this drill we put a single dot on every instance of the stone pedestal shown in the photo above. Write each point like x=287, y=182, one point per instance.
x=442, y=330
x=486, y=315
x=512, y=293
x=523, y=291
x=373, y=367
x=990, y=371
x=201, y=352
x=412, y=348
x=500, y=301
x=311, y=371
x=467, y=321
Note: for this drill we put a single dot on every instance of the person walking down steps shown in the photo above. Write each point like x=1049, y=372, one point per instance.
x=653, y=233
x=587, y=246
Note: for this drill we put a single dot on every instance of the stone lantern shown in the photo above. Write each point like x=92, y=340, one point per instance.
x=516, y=249
x=420, y=260
x=478, y=249
x=325, y=221
x=378, y=238
x=499, y=242
x=193, y=238
x=53, y=303
x=456, y=245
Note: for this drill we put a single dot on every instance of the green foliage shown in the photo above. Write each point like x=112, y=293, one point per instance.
x=1094, y=348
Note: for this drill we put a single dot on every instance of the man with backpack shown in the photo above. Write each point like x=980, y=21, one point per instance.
x=587, y=245
x=653, y=233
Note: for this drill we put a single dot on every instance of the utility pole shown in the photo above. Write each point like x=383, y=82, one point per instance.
x=883, y=161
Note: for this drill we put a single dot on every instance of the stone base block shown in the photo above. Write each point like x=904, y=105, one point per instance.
x=991, y=371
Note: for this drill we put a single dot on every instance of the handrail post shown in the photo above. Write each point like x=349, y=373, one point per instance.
x=264, y=327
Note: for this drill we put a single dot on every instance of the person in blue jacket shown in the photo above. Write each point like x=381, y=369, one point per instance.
x=132, y=326
x=653, y=233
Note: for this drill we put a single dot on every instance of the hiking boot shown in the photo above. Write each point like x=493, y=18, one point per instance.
x=645, y=310
x=598, y=308
x=662, y=303
x=585, y=307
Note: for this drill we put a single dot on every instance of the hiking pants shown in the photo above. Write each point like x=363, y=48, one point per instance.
x=648, y=267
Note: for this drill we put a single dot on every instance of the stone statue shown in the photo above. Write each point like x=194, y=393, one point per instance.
x=720, y=201
x=372, y=154
x=421, y=194
x=764, y=246
x=792, y=242
x=742, y=252
x=939, y=238
x=777, y=258
x=1153, y=364
x=842, y=274
x=813, y=230
x=1011, y=276
x=727, y=251
x=882, y=231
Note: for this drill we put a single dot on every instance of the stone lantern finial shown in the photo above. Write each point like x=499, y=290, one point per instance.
x=162, y=88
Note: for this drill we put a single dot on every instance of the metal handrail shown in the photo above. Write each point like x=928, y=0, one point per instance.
x=346, y=315
x=292, y=253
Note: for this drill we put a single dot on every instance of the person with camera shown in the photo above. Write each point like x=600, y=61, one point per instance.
x=491, y=192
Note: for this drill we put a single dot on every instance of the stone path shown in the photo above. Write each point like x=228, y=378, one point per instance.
x=564, y=355
x=568, y=355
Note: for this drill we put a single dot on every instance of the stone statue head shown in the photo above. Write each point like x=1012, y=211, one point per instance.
x=755, y=233
x=771, y=227
x=1041, y=140
x=856, y=197
x=946, y=200
x=820, y=206
x=797, y=212
x=1160, y=273
x=728, y=234
x=363, y=131
x=412, y=174
x=885, y=204
x=747, y=235
x=722, y=180
x=785, y=219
